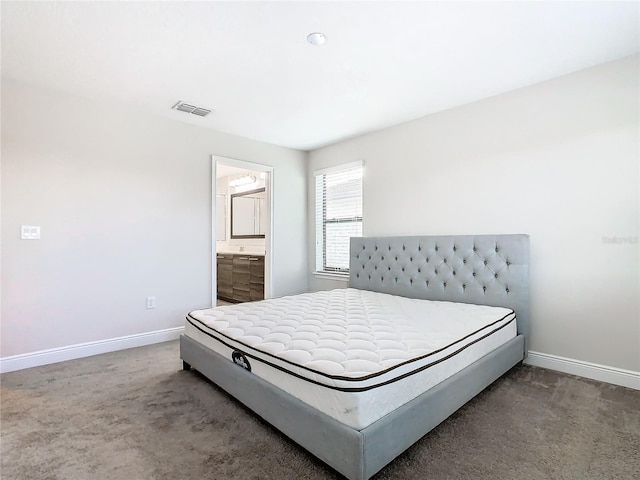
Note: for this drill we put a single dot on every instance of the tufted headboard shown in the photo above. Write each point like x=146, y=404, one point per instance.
x=481, y=269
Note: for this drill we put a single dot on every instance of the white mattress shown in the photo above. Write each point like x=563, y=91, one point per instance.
x=353, y=354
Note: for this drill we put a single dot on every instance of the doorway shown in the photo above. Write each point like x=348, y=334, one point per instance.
x=246, y=178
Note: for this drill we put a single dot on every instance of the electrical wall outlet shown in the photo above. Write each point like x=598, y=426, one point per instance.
x=151, y=302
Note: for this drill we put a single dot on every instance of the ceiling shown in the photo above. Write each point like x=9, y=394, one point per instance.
x=223, y=170
x=384, y=63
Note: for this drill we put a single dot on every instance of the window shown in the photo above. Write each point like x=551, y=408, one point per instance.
x=338, y=215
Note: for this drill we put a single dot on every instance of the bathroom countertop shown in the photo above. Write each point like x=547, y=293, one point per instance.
x=236, y=252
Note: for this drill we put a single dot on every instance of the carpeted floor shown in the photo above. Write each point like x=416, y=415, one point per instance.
x=135, y=415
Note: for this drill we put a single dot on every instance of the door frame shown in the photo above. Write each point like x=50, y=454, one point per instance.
x=268, y=234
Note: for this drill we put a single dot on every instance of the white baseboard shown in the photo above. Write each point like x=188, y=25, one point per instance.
x=603, y=373
x=71, y=352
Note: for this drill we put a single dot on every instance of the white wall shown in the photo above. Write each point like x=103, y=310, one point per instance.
x=124, y=202
x=559, y=161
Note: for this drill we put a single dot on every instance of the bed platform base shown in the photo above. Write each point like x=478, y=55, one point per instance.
x=356, y=454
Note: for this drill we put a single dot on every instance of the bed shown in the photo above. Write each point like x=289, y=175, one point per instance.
x=240, y=347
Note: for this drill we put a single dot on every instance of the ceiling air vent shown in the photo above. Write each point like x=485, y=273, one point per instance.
x=186, y=107
x=202, y=112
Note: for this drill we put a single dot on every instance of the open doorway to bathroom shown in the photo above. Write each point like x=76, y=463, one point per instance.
x=242, y=210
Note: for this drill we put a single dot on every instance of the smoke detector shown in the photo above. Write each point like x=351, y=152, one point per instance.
x=316, y=39
x=187, y=107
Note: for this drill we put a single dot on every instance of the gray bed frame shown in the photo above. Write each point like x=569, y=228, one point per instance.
x=481, y=269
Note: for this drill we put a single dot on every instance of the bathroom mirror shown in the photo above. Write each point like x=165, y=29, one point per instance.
x=248, y=217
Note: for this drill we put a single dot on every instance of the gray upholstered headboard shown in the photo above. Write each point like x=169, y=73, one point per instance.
x=481, y=269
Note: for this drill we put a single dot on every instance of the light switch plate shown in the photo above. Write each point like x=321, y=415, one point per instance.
x=30, y=232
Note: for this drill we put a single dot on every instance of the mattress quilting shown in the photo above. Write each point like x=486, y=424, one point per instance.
x=349, y=340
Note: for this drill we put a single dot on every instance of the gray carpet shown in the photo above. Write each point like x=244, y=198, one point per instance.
x=135, y=415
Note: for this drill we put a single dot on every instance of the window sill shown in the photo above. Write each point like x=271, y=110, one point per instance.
x=332, y=276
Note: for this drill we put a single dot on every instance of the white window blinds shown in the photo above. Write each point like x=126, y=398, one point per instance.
x=338, y=215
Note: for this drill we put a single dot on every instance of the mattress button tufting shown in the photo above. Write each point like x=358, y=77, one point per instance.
x=474, y=274
x=485, y=262
x=445, y=260
x=454, y=272
x=496, y=275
